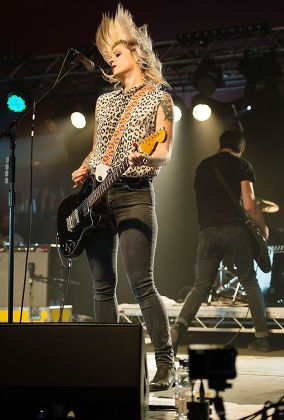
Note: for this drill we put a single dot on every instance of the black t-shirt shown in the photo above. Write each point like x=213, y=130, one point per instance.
x=214, y=205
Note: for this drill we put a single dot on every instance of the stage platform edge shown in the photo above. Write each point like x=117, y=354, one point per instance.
x=211, y=317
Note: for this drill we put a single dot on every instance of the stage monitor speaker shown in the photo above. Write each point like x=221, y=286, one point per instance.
x=97, y=371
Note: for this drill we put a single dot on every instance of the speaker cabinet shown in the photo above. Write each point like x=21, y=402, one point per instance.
x=35, y=291
x=47, y=284
x=98, y=371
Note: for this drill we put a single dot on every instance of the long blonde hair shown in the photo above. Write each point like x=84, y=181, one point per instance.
x=121, y=29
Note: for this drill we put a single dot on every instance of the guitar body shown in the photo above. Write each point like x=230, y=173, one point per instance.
x=260, y=248
x=71, y=240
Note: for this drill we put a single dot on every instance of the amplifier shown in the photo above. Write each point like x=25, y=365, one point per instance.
x=46, y=280
x=36, y=286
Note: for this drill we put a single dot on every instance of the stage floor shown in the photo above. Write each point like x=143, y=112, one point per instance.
x=260, y=378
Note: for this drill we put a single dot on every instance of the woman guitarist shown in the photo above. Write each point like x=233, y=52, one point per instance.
x=137, y=107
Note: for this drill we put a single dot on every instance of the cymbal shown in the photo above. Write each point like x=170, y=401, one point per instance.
x=267, y=206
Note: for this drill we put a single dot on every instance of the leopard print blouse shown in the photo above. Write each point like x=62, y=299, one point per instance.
x=142, y=123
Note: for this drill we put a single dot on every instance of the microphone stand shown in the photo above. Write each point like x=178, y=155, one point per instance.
x=10, y=132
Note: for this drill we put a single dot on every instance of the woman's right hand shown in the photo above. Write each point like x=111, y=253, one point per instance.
x=79, y=176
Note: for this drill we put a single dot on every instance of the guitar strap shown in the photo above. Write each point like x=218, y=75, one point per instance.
x=105, y=164
x=229, y=191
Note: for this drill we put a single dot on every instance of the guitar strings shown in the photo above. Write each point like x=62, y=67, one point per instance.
x=105, y=184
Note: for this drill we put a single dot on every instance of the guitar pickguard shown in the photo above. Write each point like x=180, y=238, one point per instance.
x=101, y=172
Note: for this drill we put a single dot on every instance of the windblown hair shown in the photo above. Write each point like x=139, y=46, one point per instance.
x=232, y=139
x=121, y=29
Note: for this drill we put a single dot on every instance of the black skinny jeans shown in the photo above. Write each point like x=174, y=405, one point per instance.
x=131, y=206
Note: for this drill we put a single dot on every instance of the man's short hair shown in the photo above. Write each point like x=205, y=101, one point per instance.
x=232, y=139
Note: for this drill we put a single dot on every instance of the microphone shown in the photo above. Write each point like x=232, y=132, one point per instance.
x=88, y=64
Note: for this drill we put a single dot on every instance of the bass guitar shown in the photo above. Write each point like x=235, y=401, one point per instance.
x=260, y=248
x=76, y=214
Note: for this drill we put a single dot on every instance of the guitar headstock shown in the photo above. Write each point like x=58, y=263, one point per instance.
x=149, y=143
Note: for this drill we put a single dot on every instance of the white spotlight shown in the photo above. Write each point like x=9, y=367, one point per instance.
x=78, y=119
x=177, y=113
x=201, y=112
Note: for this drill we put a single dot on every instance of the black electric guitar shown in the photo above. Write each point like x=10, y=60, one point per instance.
x=76, y=214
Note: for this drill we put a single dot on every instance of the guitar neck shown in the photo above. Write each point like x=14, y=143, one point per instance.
x=107, y=183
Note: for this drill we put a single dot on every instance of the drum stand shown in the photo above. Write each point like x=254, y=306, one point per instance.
x=232, y=284
x=219, y=280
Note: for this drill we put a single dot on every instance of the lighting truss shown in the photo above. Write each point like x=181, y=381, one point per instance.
x=180, y=58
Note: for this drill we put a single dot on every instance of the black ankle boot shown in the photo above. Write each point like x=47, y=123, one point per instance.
x=163, y=379
x=177, y=332
x=260, y=344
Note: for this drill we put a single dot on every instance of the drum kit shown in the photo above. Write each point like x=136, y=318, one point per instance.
x=227, y=285
x=267, y=206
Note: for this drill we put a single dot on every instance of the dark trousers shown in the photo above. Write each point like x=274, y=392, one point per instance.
x=131, y=206
x=214, y=242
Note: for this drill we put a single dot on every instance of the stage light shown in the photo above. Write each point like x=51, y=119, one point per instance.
x=78, y=120
x=235, y=120
x=203, y=37
x=203, y=106
x=177, y=113
x=201, y=112
x=208, y=77
x=179, y=107
x=259, y=68
x=244, y=110
x=16, y=103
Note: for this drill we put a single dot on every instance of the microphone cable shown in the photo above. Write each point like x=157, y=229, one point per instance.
x=62, y=305
x=68, y=267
